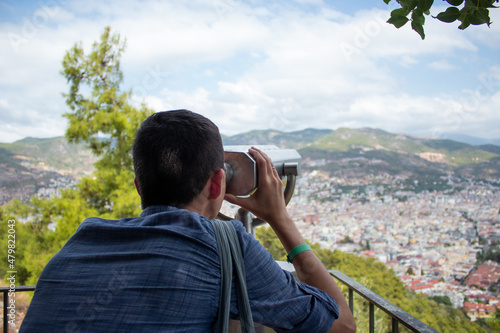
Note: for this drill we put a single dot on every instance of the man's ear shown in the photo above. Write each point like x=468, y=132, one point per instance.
x=216, y=183
x=137, y=186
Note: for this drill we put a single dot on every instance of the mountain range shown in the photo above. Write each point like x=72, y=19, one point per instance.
x=31, y=164
x=470, y=139
x=356, y=152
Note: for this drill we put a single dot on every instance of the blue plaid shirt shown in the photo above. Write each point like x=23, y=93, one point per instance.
x=160, y=272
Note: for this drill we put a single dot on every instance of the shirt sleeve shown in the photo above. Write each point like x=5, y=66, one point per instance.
x=277, y=300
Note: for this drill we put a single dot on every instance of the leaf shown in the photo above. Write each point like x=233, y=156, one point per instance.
x=479, y=17
x=451, y=14
x=455, y=2
x=399, y=12
x=419, y=28
x=465, y=23
x=387, y=1
x=425, y=5
x=398, y=21
x=418, y=17
x=409, y=5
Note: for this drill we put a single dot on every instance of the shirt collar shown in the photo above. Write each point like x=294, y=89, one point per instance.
x=150, y=210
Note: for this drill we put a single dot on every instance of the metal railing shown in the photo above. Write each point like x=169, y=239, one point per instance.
x=5, y=291
x=398, y=316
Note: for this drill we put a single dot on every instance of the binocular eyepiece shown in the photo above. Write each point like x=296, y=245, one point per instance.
x=242, y=174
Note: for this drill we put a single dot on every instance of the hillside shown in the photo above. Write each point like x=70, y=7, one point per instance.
x=31, y=165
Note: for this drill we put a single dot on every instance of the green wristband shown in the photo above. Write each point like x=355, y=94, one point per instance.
x=296, y=250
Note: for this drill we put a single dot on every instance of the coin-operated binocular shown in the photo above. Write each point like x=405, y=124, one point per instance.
x=242, y=175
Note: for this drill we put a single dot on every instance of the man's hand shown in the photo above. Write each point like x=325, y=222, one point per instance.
x=268, y=202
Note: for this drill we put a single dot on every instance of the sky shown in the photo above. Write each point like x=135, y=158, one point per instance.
x=254, y=64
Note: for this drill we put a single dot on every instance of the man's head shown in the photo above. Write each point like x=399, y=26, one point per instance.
x=175, y=153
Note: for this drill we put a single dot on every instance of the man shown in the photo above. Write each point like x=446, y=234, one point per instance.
x=160, y=272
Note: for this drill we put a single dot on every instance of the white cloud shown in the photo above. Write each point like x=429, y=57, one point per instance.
x=255, y=67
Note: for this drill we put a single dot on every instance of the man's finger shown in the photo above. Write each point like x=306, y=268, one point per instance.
x=264, y=162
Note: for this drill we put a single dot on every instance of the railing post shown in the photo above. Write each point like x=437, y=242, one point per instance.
x=5, y=312
x=395, y=327
x=351, y=300
x=372, y=318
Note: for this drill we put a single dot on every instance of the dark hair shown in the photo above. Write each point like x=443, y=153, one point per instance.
x=174, y=154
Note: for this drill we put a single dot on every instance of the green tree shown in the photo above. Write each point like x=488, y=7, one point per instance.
x=442, y=300
x=102, y=109
x=99, y=108
x=102, y=117
x=493, y=253
x=475, y=12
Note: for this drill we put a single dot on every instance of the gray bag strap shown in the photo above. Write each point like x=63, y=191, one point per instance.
x=231, y=256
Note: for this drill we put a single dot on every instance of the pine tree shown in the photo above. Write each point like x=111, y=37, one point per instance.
x=103, y=117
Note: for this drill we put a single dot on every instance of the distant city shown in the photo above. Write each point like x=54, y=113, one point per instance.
x=431, y=240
